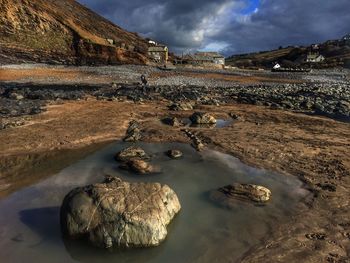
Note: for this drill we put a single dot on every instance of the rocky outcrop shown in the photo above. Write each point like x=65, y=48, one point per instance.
x=131, y=152
x=228, y=195
x=197, y=143
x=119, y=214
x=202, y=118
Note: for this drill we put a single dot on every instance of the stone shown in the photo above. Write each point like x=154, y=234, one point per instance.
x=172, y=121
x=174, y=154
x=119, y=214
x=183, y=106
x=16, y=96
x=130, y=153
x=234, y=116
x=133, y=134
x=228, y=195
x=202, y=118
x=139, y=166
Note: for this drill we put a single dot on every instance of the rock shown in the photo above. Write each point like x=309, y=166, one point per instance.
x=119, y=214
x=228, y=195
x=130, y=153
x=133, y=134
x=183, y=106
x=233, y=116
x=16, y=96
x=139, y=166
x=202, y=118
x=172, y=121
x=174, y=154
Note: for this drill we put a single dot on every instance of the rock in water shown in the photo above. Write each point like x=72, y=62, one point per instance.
x=174, y=154
x=130, y=153
x=202, y=118
x=139, y=166
x=227, y=195
x=117, y=213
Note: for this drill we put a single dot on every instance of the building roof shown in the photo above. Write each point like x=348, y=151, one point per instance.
x=210, y=54
x=204, y=56
x=157, y=49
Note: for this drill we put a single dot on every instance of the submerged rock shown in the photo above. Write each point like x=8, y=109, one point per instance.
x=202, y=118
x=183, y=106
x=139, y=166
x=227, y=195
x=130, y=153
x=174, y=154
x=117, y=213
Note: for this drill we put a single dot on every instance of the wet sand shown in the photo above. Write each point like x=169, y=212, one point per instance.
x=313, y=148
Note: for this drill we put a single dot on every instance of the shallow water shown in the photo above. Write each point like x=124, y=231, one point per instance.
x=220, y=123
x=202, y=232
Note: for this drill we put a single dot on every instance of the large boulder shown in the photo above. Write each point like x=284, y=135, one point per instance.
x=119, y=214
x=202, y=118
x=228, y=195
x=130, y=153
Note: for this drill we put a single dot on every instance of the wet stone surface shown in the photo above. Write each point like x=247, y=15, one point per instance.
x=116, y=213
x=322, y=98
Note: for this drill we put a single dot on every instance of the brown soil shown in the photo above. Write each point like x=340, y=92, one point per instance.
x=40, y=73
x=315, y=149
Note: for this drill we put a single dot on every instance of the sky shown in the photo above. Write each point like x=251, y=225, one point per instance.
x=229, y=26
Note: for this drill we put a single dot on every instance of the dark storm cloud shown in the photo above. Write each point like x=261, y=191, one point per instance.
x=187, y=25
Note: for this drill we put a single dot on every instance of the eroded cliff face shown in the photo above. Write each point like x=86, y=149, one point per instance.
x=64, y=32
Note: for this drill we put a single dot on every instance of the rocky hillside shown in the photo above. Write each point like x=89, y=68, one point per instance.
x=64, y=32
x=336, y=53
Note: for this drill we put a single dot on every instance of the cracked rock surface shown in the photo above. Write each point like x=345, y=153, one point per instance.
x=119, y=214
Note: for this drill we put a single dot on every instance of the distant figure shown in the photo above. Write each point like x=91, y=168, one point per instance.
x=143, y=80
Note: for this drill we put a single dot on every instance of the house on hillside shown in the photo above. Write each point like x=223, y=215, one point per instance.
x=314, y=58
x=159, y=53
x=205, y=58
x=347, y=37
x=110, y=41
x=313, y=55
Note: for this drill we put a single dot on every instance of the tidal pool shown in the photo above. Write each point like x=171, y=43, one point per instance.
x=202, y=232
x=220, y=123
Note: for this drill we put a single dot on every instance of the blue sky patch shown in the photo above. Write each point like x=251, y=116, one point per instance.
x=252, y=5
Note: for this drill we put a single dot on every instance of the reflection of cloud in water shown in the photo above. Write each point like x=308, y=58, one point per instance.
x=296, y=186
x=232, y=162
